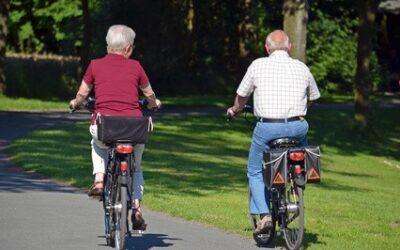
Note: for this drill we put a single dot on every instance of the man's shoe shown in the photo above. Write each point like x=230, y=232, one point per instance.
x=138, y=222
x=264, y=225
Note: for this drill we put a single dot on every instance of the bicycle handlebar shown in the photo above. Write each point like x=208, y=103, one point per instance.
x=89, y=103
x=246, y=109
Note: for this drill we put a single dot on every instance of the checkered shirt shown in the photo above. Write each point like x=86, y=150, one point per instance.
x=282, y=86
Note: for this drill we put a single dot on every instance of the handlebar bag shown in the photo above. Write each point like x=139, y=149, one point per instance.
x=274, y=167
x=112, y=129
x=312, y=164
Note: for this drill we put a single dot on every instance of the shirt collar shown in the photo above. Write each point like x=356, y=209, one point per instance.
x=280, y=53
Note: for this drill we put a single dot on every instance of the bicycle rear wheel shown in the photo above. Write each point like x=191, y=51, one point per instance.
x=108, y=214
x=294, y=219
x=121, y=214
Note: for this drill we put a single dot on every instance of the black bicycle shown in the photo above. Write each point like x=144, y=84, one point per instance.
x=286, y=170
x=119, y=171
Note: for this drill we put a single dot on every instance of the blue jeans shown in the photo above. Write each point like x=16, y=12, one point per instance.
x=263, y=133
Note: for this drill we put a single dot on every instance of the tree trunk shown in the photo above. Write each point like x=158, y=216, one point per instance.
x=362, y=86
x=295, y=18
x=4, y=8
x=87, y=35
x=189, y=16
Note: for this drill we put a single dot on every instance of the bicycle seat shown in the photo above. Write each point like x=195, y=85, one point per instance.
x=285, y=142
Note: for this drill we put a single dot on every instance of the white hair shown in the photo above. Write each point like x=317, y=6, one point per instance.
x=119, y=37
x=277, y=45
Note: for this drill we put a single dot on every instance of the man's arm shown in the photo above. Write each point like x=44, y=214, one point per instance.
x=238, y=105
x=83, y=92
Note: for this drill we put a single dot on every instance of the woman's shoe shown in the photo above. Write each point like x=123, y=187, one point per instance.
x=138, y=222
x=96, y=192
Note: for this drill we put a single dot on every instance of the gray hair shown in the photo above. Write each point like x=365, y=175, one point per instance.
x=119, y=37
x=277, y=44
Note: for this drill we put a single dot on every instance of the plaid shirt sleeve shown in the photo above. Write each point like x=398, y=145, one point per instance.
x=313, y=92
x=246, y=86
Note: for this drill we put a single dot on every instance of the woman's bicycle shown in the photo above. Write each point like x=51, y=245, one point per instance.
x=286, y=170
x=118, y=178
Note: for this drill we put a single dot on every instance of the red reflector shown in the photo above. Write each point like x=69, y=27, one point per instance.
x=313, y=175
x=124, y=166
x=278, y=179
x=124, y=148
x=296, y=156
x=297, y=169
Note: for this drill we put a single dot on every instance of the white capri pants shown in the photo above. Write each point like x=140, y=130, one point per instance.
x=100, y=157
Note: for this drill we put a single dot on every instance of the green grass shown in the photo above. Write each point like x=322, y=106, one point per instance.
x=195, y=168
x=23, y=104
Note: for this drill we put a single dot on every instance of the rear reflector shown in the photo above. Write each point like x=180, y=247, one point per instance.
x=124, y=148
x=297, y=169
x=124, y=166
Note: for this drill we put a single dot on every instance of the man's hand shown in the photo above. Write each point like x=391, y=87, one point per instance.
x=232, y=111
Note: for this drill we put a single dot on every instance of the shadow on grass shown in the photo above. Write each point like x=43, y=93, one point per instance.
x=336, y=129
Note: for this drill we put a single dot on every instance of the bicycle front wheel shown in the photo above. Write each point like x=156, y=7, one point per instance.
x=121, y=213
x=294, y=219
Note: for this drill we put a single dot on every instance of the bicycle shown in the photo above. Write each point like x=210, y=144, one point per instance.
x=118, y=180
x=287, y=168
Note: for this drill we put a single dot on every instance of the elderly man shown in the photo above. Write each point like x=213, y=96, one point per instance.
x=282, y=86
x=116, y=80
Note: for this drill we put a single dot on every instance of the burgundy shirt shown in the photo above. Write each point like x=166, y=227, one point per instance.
x=116, y=81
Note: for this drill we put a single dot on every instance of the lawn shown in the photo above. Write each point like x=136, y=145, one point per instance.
x=25, y=104
x=195, y=168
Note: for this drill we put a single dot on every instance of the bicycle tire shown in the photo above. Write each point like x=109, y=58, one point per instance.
x=108, y=215
x=293, y=230
x=121, y=218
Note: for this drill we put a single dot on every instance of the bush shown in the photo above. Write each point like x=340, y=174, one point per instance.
x=41, y=77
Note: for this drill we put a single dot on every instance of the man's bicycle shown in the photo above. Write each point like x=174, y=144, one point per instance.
x=118, y=179
x=287, y=168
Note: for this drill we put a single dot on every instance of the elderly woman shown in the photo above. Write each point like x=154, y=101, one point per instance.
x=116, y=80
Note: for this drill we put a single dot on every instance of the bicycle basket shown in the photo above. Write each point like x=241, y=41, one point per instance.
x=121, y=128
x=313, y=164
x=274, y=167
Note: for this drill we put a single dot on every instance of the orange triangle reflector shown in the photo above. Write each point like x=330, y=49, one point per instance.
x=313, y=175
x=278, y=179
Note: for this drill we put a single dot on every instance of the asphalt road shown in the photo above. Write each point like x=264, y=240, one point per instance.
x=37, y=213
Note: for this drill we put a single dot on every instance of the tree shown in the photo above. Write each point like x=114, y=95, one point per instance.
x=362, y=86
x=87, y=35
x=4, y=8
x=295, y=14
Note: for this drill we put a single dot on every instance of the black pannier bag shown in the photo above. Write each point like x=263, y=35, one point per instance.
x=312, y=164
x=275, y=167
x=122, y=128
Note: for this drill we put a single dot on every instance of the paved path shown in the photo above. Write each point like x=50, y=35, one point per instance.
x=36, y=213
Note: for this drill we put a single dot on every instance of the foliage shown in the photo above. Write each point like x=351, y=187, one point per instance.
x=44, y=26
x=355, y=206
x=43, y=77
x=193, y=46
x=332, y=58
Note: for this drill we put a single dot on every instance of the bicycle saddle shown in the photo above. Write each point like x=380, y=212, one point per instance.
x=284, y=142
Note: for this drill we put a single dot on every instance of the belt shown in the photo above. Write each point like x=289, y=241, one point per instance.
x=291, y=119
